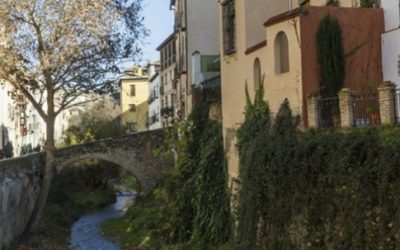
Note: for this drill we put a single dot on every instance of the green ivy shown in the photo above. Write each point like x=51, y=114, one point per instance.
x=190, y=208
x=316, y=189
x=202, y=202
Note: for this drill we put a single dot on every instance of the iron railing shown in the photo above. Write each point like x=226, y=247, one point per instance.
x=366, y=110
x=329, y=113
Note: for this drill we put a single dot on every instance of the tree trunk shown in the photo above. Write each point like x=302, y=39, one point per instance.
x=48, y=173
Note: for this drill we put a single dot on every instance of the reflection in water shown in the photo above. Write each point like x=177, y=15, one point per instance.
x=86, y=231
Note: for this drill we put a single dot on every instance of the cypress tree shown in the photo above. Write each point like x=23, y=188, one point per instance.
x=330, y=54
x=367, y=3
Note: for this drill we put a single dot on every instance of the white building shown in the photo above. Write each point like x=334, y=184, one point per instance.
x=391, y=41
x=196, y=30
x=21, y=126
x=154, y=115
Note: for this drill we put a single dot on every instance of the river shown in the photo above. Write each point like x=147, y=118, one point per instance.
x=86, y=231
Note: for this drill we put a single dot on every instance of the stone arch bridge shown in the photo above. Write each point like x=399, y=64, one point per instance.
x=20, y=177
x=135, y=153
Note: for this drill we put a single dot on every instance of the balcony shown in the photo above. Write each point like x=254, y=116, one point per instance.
x=167, y=112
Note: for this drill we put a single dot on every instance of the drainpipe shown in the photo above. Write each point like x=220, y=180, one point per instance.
x=290, y=4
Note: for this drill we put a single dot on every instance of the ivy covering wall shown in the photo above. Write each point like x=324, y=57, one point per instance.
x=317, y=189
x=190, y=209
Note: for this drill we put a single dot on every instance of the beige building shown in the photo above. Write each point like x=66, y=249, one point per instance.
x=134, y=99
x=276, y=40
x=168, y=96
x=196, y=31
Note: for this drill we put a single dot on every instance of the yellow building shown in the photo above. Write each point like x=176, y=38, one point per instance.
x=134, y=99
x=272, y=39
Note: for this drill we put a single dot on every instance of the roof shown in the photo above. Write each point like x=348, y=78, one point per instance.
x=166, y=41
x=284, y=16
x=255, y=47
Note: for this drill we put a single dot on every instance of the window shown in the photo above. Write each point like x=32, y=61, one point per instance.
x=398, y=65
x=132, y=107
x=281, y=53
x=257, y=74
x=132, y=126
x=133, y=90
x=228, y=11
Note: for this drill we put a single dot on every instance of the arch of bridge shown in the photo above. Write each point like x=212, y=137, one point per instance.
x=133, y=153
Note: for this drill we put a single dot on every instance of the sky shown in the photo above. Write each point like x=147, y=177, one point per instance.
x=158, y=19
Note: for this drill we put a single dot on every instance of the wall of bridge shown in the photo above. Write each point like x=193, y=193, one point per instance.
x=20, y=177
x=19, y=188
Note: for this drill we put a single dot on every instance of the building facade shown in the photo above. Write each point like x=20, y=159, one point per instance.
x=134, y=99
x=154, y=116
x=22, y=130
x=274, y=42
x=196, y=31
x=168, y=83
x=390, y=41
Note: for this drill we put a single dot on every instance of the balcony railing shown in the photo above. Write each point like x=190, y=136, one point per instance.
x=167, y=112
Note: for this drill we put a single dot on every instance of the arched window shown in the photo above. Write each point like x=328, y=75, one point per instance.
x=281, y=53
x=257, y=74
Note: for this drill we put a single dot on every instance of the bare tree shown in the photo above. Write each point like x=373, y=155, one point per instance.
x=55, y=50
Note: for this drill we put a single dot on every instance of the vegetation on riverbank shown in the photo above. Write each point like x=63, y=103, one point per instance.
x=190, y=208
x=85, y=187
x=75, y=192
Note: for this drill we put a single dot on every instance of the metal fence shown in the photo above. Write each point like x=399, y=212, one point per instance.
x=329, y=113
x=366, y=110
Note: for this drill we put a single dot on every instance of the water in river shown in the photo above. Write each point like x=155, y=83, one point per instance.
x=86, y=231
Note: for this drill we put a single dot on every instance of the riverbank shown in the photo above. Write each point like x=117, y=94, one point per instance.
x=86, y=231
x=71, y=197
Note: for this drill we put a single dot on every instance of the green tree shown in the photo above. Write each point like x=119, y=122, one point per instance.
x=330, y=55
x=98, y=122
x=368, y=3
x=251, y=137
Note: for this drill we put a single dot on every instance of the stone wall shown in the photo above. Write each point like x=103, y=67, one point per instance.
x=19, y=187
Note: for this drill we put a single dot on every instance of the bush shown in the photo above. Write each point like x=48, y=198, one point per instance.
x=190, y=208
x=317, y=189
